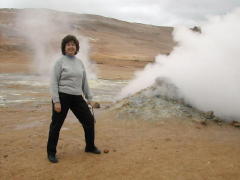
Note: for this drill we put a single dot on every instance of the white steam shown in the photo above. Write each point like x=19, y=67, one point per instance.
x=205, y=67
x=43, y=31
x=84, y=56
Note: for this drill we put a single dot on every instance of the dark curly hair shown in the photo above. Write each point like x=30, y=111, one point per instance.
x=67, y=39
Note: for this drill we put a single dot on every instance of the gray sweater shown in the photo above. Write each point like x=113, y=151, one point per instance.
x=69, y=76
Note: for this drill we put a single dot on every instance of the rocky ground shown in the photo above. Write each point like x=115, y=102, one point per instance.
x=148, y=136
x=166, y=148
x=159, y=101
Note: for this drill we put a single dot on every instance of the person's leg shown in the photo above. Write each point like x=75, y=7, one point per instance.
x=56, y=124
x=81, y=110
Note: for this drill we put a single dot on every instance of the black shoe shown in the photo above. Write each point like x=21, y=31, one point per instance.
x=93, y=150
x=52, y=158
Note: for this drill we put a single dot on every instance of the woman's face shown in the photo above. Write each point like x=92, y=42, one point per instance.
x=70, y=48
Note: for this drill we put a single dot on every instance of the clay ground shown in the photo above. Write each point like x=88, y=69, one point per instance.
x=163, y=149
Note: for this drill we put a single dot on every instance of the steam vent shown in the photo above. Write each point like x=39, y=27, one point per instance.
x=160, y=101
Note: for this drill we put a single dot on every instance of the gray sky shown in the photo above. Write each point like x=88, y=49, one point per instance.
x=157, y=12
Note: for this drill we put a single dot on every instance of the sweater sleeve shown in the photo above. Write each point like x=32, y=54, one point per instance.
x=85, y=87
x=54, y=86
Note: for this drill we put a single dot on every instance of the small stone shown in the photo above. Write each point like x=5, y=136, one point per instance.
x=114, y=150
x=209, y=115
x=188, y=105
x=5, y=156
x=217, y=120
x=236, y=123
x=204, y=123
x=196, y=29
x=106, y=151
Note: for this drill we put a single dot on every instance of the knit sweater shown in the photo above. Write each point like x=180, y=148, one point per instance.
x=69, y=76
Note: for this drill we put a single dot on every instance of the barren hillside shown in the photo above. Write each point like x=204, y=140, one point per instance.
x=112, y=41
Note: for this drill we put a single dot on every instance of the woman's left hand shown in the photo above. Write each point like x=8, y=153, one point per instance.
x=90, y=102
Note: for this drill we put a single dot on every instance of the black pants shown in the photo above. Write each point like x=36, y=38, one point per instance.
x=80, y=109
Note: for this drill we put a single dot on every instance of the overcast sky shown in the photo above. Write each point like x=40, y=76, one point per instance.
x=156, y=12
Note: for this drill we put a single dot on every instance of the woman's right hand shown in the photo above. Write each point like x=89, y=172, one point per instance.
x=57, y=107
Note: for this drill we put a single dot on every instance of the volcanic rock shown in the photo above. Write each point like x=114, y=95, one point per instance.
x=161, y=100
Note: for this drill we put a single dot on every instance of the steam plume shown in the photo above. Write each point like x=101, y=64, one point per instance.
x=204, y=67
x=43, y=30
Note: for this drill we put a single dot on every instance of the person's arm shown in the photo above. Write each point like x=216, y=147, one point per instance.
x=56, y=74
x=85, y=87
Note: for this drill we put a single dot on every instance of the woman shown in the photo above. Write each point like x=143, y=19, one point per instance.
x=68, y=85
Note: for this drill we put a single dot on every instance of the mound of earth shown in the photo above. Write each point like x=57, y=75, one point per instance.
x=161, y=100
